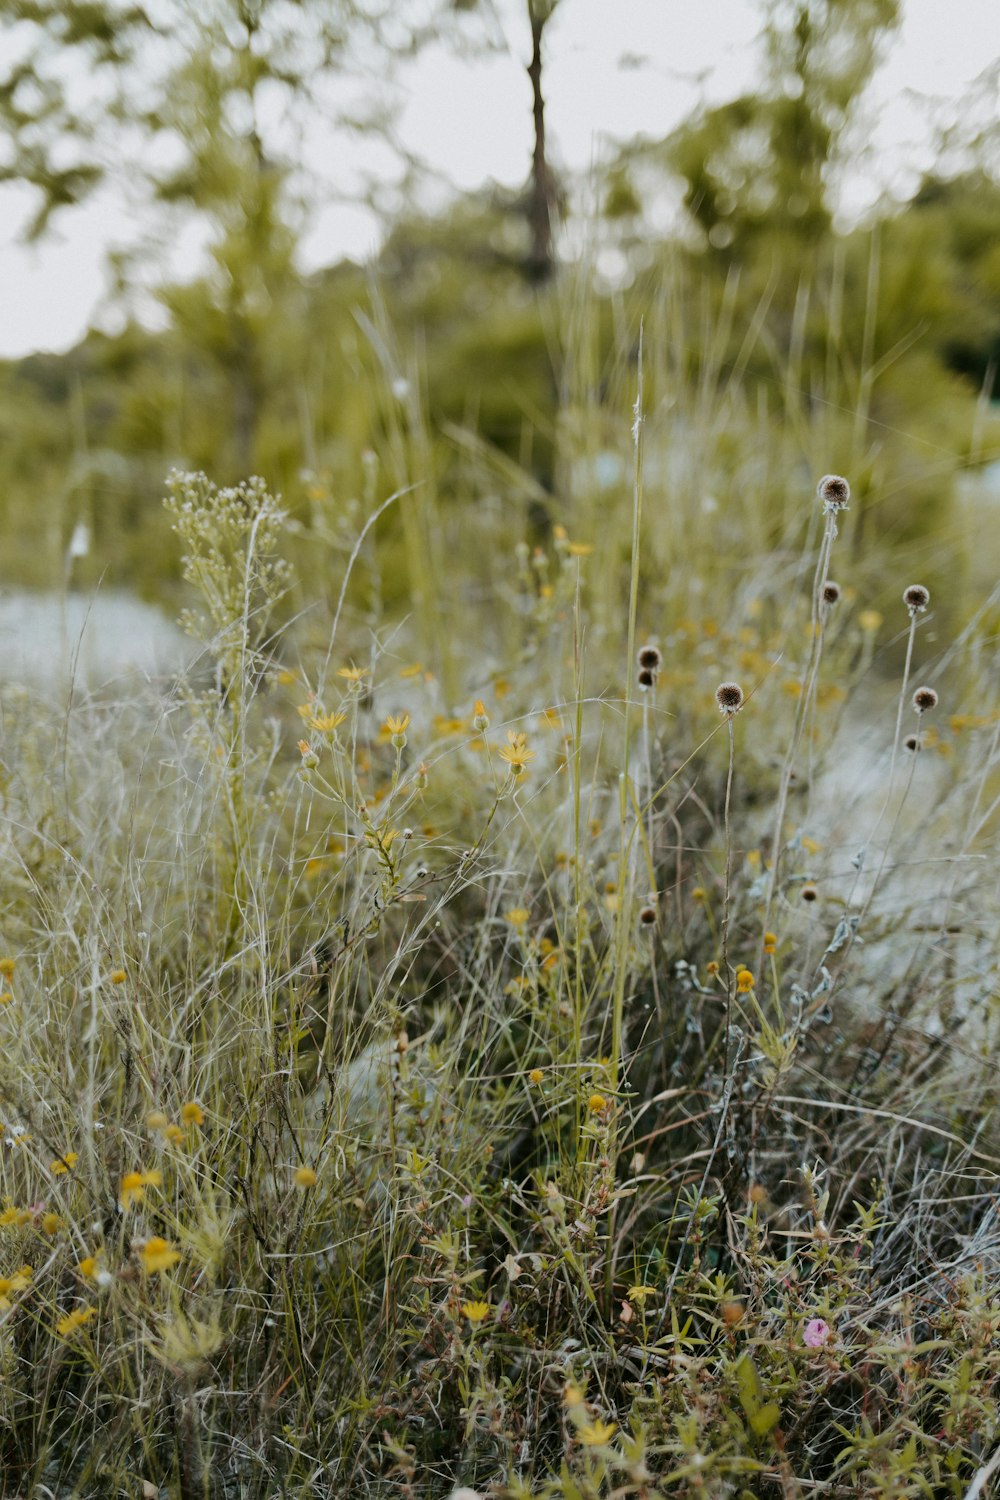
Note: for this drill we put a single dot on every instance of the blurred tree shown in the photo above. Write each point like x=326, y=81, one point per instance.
x=203, y=108
x=757, y=168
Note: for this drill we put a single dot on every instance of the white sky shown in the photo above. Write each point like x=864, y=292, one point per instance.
x=471, y=121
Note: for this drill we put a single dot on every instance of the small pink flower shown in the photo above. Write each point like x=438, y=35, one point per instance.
x=816, y=1333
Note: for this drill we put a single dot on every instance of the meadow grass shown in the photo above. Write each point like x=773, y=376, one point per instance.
x=446, y=1053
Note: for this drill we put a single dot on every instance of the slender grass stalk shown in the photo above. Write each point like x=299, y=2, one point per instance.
x=624, y=883
x=807, y=689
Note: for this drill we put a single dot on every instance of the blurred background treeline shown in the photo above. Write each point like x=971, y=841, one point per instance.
x=488, y=352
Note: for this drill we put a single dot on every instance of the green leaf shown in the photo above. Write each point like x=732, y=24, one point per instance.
x=765, y=1419
x=762, y=1415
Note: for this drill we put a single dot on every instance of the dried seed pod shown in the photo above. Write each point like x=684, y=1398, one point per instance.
x=834, y=491
x=729, y=697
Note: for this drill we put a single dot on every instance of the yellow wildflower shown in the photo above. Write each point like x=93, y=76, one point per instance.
x=595, y=1434
x=517, y=916
x=118, y=976
x=192, y=1114
x=580, y=549
x=475, y=1311
x=90, y=1265
x=6, y=996
x=536, y=1075
x=516, y=752
x=134, y=1185
x=597, y=1104
x=443, y=724
x=396, y=723
x=640, y=1293
x=15, y=1283
x=305, y=1177
x=174, y=1134
x=74, y=1320
x=64, y=1164
x=352, y=674
x=157, y=1120
x=7, y=967
x=770, y=942
x=572, y=1394
x=325, y=723
x=158, y=1255
x=744, y=981
x=49, y=1223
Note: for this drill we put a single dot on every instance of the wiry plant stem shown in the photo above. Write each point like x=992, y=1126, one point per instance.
x=801, y=716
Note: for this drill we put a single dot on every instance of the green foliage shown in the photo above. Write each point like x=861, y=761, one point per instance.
x=756, y=168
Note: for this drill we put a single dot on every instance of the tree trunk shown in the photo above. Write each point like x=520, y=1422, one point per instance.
x=541, y=260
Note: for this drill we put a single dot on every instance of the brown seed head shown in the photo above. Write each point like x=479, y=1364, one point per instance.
x=645, y=677
x=916, y=598
x=834, y=491
x=647, y=916
x=729, y=697
x=831, y=592
x=924, y=698
x=651, y=658
x=912, y=742
x=809, y=892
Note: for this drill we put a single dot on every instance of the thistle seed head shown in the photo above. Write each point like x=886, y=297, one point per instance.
x=645, y=677
x=834, y=491
x=924, y=698
x=650, y=658
x=831, y=592
x=729, y=697
x=916, y=598
x=912, y=742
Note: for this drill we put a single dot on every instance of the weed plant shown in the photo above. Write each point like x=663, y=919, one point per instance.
x=495, y=1071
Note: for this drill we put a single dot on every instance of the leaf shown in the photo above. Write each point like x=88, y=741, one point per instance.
x=765, y=1419
x=762, y=1415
